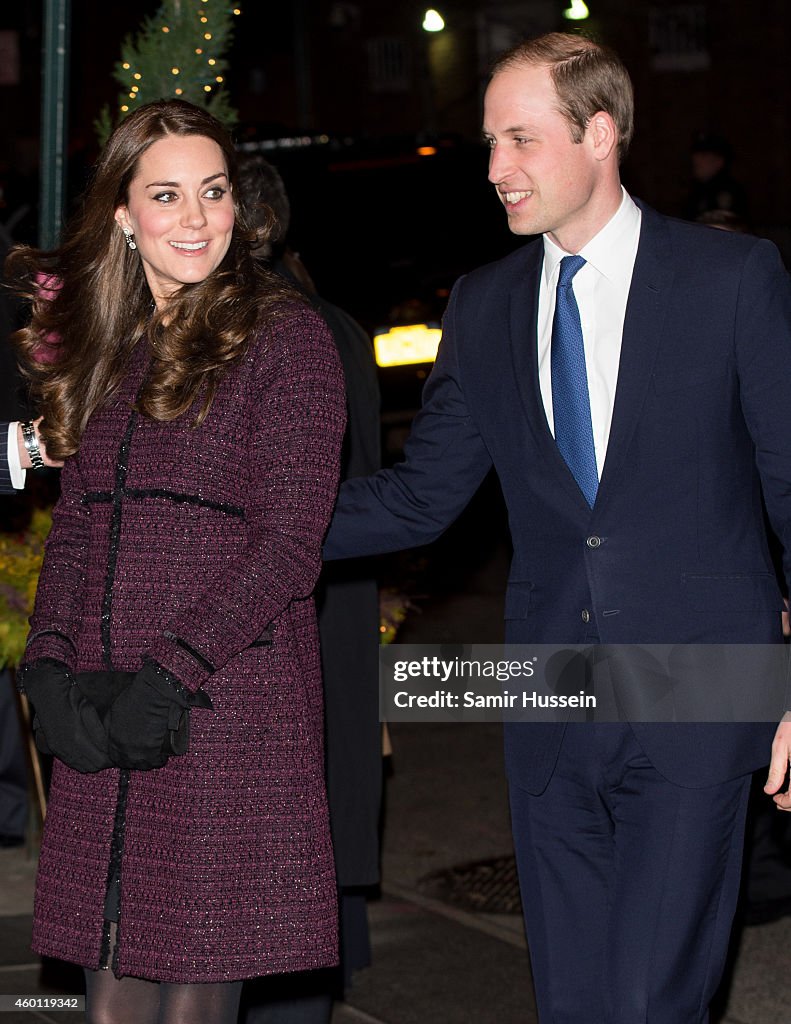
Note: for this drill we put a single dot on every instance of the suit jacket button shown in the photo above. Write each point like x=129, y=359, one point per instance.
x=586, y=615
x=593, y=542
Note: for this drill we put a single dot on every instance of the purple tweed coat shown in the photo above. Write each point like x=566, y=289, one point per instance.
x=200, y=547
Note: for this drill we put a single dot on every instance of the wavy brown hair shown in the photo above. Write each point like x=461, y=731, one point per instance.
x=91, y=303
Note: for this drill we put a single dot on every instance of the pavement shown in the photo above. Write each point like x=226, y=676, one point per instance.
x=434, y=961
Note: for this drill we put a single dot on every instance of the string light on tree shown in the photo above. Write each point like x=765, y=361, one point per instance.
x=169, y=56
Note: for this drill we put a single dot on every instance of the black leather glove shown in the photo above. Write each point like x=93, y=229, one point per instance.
x=149, y=721
x=66, y=723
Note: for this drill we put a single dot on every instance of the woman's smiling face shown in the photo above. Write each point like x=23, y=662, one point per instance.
x=181, y=212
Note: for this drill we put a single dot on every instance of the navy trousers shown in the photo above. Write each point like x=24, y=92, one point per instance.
x=629, y=884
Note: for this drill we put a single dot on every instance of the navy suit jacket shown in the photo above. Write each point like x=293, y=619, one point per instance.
x=6, y=486
x=699, y=431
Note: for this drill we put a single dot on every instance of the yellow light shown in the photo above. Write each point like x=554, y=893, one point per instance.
x=137, y=75
x=174, y=71
x=236, y=10
x=427, y=151
x=203, y=19
x=131, y=95
x=432, y=21
x=165, y=28
x=199, y=51
x=219, y=78
x=400, y=346
x=207, y=35
x=212, y=61
x=578, y=11
x=126, y=66
x=124, y=108
x=207, y=88
x=135, y=88
x=179, y=92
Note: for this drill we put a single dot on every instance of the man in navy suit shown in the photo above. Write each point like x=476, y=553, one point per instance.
x=629, y=378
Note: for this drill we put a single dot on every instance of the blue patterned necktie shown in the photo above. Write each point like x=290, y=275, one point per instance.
x=571, y=406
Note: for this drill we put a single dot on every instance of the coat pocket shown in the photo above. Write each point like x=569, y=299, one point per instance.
x=687, y=377
x=733, y=592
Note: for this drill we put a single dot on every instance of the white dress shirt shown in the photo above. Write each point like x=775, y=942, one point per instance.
x=14, y=465
x=601, y=288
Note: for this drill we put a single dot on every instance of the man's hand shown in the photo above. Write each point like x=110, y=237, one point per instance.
x=778, y=767
x=24, y=455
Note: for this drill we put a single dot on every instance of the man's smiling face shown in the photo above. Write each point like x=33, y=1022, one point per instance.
x=547, y=182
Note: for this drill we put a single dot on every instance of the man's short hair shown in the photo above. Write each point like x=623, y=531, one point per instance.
x=587, y=77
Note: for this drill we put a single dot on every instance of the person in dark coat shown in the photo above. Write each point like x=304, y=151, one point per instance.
x=348, y=615
x=14, y=461
x=173, y=658
x=713, y=187
x=10, y=407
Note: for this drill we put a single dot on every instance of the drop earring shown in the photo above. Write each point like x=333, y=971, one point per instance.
x=130, y=238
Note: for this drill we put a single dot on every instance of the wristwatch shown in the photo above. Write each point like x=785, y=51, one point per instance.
x=31, y=443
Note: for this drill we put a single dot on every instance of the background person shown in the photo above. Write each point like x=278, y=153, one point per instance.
x=713, y=186
x=15, y=458
x=198, y=403
x=348, y=615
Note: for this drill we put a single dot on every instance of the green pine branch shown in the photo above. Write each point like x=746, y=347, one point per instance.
x=171, y=57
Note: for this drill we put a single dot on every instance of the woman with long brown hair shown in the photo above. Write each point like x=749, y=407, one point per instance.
x=172, y=661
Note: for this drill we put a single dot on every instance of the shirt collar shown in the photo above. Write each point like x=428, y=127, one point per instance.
x=611, y=251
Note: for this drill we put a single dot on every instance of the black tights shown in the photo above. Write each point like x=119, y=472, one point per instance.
x=111, y=1000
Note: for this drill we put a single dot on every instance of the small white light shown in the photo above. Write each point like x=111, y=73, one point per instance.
x=578, y=11
x=432, y=21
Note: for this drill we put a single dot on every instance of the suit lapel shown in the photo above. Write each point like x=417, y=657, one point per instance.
x=523, y=314
x=642, y=334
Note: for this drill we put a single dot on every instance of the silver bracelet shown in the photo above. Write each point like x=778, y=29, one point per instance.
x=31, y=443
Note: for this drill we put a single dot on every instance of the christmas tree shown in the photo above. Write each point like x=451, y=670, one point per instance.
x=179, y=52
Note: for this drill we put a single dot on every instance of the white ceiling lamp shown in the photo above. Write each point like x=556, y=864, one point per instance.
x=577, y=11
x=433, y=21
